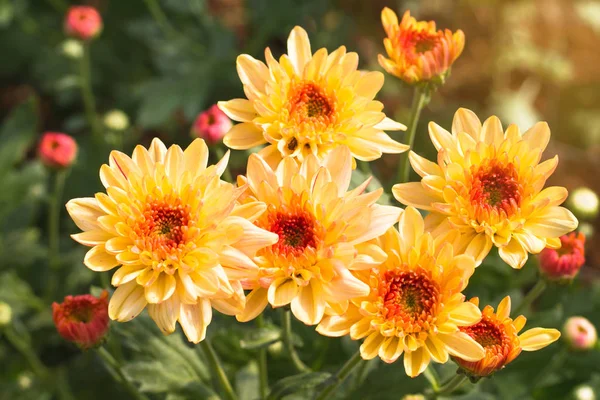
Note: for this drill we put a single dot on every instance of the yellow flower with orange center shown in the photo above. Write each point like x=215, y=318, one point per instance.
x=175, y=230
x=321, y=227
x=486, y=189
x=416, y=51
x=498, y=334
x=309, y=104
x=414, y=306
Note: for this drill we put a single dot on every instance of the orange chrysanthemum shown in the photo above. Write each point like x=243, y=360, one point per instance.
x=322, y=229
x=416, y=51
x=174, y=227
x=415, y=306
x=498, y=334
x=486, y=189
x=309, y=104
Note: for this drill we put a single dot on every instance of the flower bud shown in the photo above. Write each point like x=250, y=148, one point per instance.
x=211, y=125
x=72, y=48
x=579, y=333
x=583, y=202
x=82, y=319
x=57, y=150
x=83, y=22
x=5, y=314
x=564, y=263
x=116, y=120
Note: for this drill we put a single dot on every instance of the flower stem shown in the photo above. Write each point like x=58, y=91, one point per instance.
x=160, y=18
x=530, y=297
x=114, y=366
x=220, y=154
x=420, y=100
x=87, y=94
x=217, y=369
x=286, y=326
x=262, y=363
x=452, y=384
x=341, y=375
x=433, y=378
x=54, y=207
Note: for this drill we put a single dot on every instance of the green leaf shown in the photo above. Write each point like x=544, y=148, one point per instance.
x=260, y=338
x=17, y=134
x=247, y=382
x=154, y=377
x=193, y=391
x=17, y=293
x=297, y=383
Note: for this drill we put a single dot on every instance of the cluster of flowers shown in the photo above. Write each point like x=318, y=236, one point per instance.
x=291, y=232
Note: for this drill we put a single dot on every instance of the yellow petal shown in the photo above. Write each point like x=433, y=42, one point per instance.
x=461, y=345
x=194, y=319
x=391, y=349
x=416, y=361
x=538, y=136
x=244, y=136
x=126, y=273
x=282, y=291
x=389, y=20
x=440, y=137
x=256, y=301
x=413, y=194
x=92, y=238
x=382, y=218
x=423, y=166
x=369, y=84
x=161, y=289
x=436, y=349
x=253, y=238
x=127, y=302
x=538, y=338
x=370, y=347
x=252, y=72
x=479, y=247
x=465, y=314
x=389, y=124
x=552, y=222
x=513, y=254
x=238, y=109
x=157, y=150
x=309, y=305
x=299, y=49
x=335, y=326
x=466, y=121
x=165, y=314
x=339, y=164
x=411, y=228
x=97, y=259
x=196, y=157
x=258, y=171
x=503, y=310
x=85, y=213
x=491, y=131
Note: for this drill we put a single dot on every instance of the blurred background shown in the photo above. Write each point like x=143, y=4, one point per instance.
x=162, y=62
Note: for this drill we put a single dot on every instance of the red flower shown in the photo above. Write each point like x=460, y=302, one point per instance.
x=82, y=319
x=211, y=125
x=57, y=150
x=564, y=263
x=83, y=22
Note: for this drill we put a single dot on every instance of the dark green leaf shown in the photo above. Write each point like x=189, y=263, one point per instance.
x=260, y=338
x=297, y=383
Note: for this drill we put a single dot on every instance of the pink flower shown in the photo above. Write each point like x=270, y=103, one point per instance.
x=57, y=150
x=564, y=263
x=83, y=22
x=211, y=125
x=579, y=333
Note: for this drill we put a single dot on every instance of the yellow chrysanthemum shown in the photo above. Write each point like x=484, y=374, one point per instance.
x=418, y=53
x=309, y=104
x=322, y=229
x=173, y=227
x=486, y=189
x=415, y=305
x=498, y=334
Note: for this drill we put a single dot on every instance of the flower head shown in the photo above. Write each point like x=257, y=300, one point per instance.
x=116, y=120
x=57, y=150
x=321, y=227
x=211, y=125
x=580, y=333
x=172, y=225
x=414, y=305
x=498, y=334
x=584, y=203
x=486, y=189
x=309, y=104
x=82, y=319
x=564, y=263
x=83, y=22
x=416, y=51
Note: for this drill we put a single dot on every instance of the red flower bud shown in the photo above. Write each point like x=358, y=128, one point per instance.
x=82, y=319
x=211, y=125
x=83, y=22
x=57, y=150
x=564, y=263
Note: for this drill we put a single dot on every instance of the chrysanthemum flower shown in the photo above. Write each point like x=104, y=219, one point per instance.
x=414, y=305
x=498, y=334
x=416, y=51
x=580, y=334
x=564, y=263
x=174, y=228
x=82, y=319
x=322, y=229
x=486, y=189
x=57, y=150
x=83, y=22
x=309, y=104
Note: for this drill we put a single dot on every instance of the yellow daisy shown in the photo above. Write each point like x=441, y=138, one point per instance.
x=486, y=189
x=322, y=229
x=309, y=104
x=174, y=229
x=415, y=306
x=498, y=334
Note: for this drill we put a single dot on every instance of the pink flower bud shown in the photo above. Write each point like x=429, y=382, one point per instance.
x=83, y=22
x=57, y=150
x=211, y=125
x=579, y=333
x=564, y=263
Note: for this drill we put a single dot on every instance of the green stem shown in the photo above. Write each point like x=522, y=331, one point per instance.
x=54, y=208
x=217, y=369
x=24, y=347
x=420, y=100
x=433, y=378
x=286, y=326
x=114, y=365
x=161, y=18
x=220, y=154
x=341, y=375
x=452, y=384
x=262, y=363
x=63, y=390
x=87, y=94
x=530, y=297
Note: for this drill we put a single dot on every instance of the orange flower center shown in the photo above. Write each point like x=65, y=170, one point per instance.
x=495, y=187
x=296, y=232
x=491, y=336
x=409, y=299
x=164, y=225
x=417, y=42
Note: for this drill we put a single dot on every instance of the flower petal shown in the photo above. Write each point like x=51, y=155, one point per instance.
x=97, y=259
x=194, y=319
x=127, y=302
x=256, y=301
x=466, y=121
x=309, y=305
x=465, y=314
x=416, y=361
x=538, y=338
x=165, y=314
x=461, y=345
x=238, y=109
x=244, y=136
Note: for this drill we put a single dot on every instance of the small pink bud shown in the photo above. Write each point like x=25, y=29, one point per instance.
x=83, y=22
x=579, y=333
x=211, y=125
x=564, y=263
x=57, y=150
